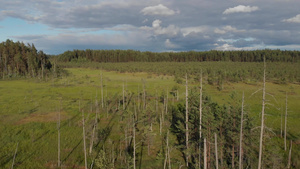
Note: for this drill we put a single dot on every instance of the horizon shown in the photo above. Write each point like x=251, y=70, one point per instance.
x=157, y=26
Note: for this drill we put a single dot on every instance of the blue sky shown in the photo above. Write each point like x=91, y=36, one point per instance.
x=157, y=25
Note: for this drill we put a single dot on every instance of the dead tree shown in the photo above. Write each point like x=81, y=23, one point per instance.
x=205, y=154
x=290, y=156
x=241, y=135
x=13, y=162
x=84, y=144
x=133, y=132
x=123, y=95
x=200, y=119
x=216, y=151
x=168, y=150
x=285, y=121
x=262, y=118
x=102, y=98
x=94, y=127
x=58, y=137
x=186, y=120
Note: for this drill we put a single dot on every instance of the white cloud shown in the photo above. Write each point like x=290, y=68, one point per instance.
x=240, y=8
x=169, y=44
x=156, y=23
x=158, y=10
x=295, y=19
x=197, y=29
x=226, y=29
x=157, y=29
x=227, y=46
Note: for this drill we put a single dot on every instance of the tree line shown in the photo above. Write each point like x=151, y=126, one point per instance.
x=18, y=59
x=190, y=56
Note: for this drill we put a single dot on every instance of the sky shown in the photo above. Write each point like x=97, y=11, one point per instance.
x=55, y=26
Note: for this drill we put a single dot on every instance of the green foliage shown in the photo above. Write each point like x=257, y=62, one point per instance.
x=191, y=56
x=17, y=59
x=29, y=109
x=214, y=73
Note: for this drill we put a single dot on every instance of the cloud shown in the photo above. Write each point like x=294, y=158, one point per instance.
x=151, y=25
x=226, y=29
x=158, y=10
x=241, y=8
x=196, y=29
x=169, y=31
x=156, y=23
x=170, y=45
x=295, y=19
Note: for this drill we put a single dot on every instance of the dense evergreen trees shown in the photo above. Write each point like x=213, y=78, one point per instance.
x=18, y=59
x=191, y=56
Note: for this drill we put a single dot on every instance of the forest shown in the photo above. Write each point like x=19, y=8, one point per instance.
x=18, y=59
x=190, y=56
x=132, y=109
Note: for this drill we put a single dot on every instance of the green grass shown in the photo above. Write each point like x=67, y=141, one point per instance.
x=29, y=111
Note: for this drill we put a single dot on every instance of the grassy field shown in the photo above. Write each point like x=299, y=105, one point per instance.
x=29, y=111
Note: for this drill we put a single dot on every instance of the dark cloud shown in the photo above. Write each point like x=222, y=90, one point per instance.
x=160, y=25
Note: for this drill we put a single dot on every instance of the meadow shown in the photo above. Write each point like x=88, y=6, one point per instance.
x=30, y=109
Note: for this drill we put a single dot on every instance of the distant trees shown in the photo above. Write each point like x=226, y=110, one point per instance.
x=18, y=59
x=190, y=56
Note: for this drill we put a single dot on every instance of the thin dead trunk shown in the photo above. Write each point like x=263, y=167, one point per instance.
x=200, y=119
x=102, y=98
x=13, y=162
x=144, y=97
x=167, y=102
x=262, y=118
x=216, y=151
x=205, y=154
x=168, y=150
x=290, y=156
x=123, y=95
x=285, y=121
x=133, y=128
x=84, y=144
x=186, y=120
x=281, y=123
x=58, y=138
x=200, y=108
x=241, y=136
x=94, y=127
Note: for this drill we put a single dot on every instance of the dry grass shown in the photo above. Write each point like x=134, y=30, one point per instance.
x=45, y=117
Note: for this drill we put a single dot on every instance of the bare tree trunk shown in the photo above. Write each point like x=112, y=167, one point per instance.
x=133, y=128
x=168, y=150
x=285, y=121
x=186, y=120
x=216, y=151
x=138, y=102
x=94, y=127
x=167, y=102
x=160, y=123
x=200, y=119
x=102, y=98
x=42, y=65
x=13, y=162
x=262, y=118
x=84, y=144
x=205, y=154
x=290, y=156
x=144, y=97
x=156, y=105
x=58, y=137
x=241, y=136
x=123, y=96
x=281, y=123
